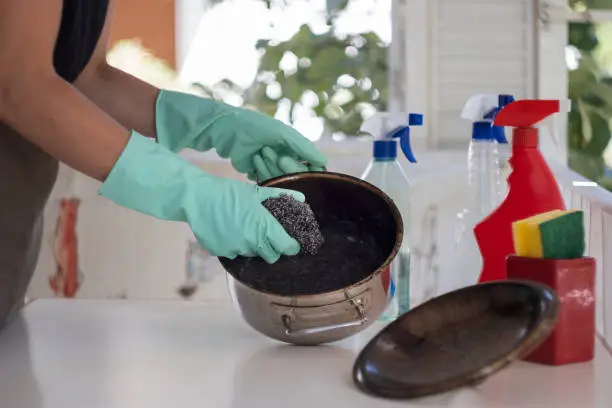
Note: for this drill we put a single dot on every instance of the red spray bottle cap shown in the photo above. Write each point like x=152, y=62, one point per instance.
x=523, y=115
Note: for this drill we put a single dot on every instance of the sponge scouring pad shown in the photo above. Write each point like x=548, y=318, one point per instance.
x=298, y=220
x=555, y=234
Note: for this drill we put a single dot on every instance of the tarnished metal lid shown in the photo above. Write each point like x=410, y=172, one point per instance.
x=457, y=339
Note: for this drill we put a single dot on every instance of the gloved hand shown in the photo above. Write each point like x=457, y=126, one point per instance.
x=226, y=216
x=257, y=145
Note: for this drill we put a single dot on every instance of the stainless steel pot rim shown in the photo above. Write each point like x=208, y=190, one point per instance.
x=331, y=175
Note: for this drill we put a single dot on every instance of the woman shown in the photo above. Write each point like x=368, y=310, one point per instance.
x=60, y=101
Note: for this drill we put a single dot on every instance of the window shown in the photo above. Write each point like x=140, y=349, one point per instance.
x=442, y=52
x=319, y=65
x=584, y=29
x=589, y=60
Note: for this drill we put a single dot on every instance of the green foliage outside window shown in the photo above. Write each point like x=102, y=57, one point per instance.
x=345, y=76
x=590, y=89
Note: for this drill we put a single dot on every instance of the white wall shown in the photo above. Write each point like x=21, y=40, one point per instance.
x=123, y=253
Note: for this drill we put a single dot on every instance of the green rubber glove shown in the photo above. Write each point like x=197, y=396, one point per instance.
x=226, y=216
x=268, y=165
x=255, y=143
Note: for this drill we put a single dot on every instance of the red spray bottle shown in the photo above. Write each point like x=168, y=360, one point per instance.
x=532, y=188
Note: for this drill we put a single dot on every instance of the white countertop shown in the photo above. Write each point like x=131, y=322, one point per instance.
x=143, y=354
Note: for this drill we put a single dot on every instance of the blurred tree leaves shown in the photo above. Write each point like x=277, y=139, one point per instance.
x=342, y=78
x=590, y=4
x=589, y=121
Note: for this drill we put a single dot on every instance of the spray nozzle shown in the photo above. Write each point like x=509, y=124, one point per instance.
x=389, y=126
x=525, y=114
x=403, y=134
x=482, y=109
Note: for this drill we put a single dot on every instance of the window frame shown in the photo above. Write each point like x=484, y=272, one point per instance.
x=187, y=19
x=414, y=87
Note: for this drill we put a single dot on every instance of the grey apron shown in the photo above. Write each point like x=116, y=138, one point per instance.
x=27, y=176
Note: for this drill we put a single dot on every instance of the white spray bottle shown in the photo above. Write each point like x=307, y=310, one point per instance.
x=485, y=185
x=385, y=172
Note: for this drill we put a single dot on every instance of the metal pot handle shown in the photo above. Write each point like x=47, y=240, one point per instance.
x=358, y=303
x=303, y=332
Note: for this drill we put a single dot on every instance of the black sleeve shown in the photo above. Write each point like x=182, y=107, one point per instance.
x=80, y=29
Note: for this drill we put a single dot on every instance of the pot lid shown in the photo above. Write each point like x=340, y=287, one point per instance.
x=457, y=339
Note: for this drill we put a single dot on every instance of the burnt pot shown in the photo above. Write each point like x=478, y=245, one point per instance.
x=311, y=319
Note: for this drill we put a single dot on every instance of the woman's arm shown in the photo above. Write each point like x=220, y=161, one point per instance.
x=41, y=106
x=127, y=99
x=124, y=97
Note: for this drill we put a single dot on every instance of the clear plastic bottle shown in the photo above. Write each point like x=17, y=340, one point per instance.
x=484, y=176
x=485, y=186
x=503, y=147
x=485, y=194
x=386, y=173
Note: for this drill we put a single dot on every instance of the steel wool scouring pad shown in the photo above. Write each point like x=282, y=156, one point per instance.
x=298, y=220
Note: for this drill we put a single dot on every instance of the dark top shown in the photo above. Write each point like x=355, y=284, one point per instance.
x=82, y=24
x=28, y=173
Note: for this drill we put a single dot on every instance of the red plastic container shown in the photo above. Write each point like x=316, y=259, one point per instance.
x=532, y=186
x=573, y=338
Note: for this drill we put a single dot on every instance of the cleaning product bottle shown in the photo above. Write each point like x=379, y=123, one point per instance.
x=532, y=188
x=504, y=149
x=484, y=185
x=386, y=173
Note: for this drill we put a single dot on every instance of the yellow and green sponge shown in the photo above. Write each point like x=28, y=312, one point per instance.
x=557, y=234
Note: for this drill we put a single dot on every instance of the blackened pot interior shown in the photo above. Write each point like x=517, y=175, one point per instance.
x=362, y=228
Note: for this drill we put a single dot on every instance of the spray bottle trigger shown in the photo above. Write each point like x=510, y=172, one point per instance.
x=403, y=134
x=505, y=99
x=497, y=132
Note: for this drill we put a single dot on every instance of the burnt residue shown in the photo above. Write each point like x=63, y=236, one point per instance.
x=298, y=220
x=360, y=231
x=348, y=256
